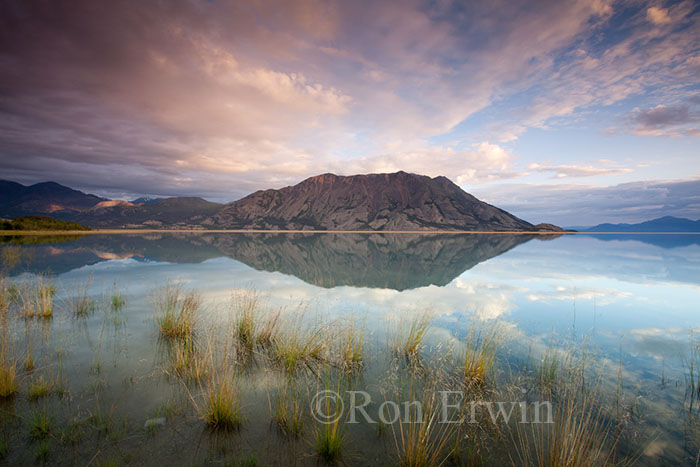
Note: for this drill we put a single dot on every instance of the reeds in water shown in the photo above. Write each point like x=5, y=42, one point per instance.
x=252, y=325
x=176, y=311
x=480, y=351
x=300, y=343
x=352, y=349
x=422, y=436
x=35, y=299
x=407, y=340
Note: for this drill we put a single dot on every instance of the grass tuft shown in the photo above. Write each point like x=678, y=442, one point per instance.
x=221, y=408
x=40, y=388
x=176, y=311
x=8, y=378
x=40, y=425
x=352, y=351
x=300, y=343
x=480, y=353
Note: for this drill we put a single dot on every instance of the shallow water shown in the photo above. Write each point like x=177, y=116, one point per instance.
x=629, y=303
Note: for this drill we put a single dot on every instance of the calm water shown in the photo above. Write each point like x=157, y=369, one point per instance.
x=629, y=302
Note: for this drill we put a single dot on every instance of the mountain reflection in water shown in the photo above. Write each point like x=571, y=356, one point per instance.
x=391, y=261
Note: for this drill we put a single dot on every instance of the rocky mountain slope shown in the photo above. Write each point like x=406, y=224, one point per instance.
x=396, y=201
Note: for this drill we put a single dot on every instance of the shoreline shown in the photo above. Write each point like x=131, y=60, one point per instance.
x=364, y=232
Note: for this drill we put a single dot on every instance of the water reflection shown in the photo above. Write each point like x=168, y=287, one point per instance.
x=397, y=262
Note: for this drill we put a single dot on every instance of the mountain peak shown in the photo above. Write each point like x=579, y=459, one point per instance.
x=384, y=201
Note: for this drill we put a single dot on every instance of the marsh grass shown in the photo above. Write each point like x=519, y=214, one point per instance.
x=81, y=303
x=420, y=437
x=301, y=342
x=547, y=371
x=8, y=364
x=221, y=406
x=288, y=412
x=330, y=438
x=35, y=299
x=581, y=431
x=40, y=425
x=252, y=325
x=38, y=389
x=480, y=351
x=187, y=360
x=8, y=378
x=351, y=356
x=176, y=311
x=407, y=339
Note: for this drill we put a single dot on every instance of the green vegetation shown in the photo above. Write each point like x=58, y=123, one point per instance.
x=8, y=377
x=40, y=425
x=39, y=388
x=82, y=304
x=421, y=440
x=480, y=353
x=300, y=343
x=407, y=342
x=39, y=223
x=250, y=327
x=176, y=311
x=288, y=413
x=35, y=299
x=352, y=352
x=221, y=409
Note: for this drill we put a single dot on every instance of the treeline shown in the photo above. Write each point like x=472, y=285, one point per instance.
x=39, y=223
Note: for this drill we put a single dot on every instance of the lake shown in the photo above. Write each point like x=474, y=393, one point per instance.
x=598, y=335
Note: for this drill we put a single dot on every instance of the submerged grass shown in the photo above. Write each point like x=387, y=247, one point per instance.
x=251, y=325
x=352, y=349
x=35, y=299
x=176, y=311
x=221, y=407
x=407, y=340
x=300, y=343
x=421, y=436
x=39, y=388
x=8, y=378
x=288, y=413
x=480, y=351
x=81, y=304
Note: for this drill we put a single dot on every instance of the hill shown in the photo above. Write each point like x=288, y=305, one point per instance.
x=39, y=223
x=662, y=224
x=396, y=201
x=43, y=198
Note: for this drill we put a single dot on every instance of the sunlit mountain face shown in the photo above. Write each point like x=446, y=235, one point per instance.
x=574, y=114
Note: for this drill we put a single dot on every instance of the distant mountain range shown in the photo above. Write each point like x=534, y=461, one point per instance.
x=662, y=224
x=396, y=201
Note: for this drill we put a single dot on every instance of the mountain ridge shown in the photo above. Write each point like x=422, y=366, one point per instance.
x=375, y=202
x=660, y=224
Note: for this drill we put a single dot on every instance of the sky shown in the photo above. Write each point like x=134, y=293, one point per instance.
x=572, y=112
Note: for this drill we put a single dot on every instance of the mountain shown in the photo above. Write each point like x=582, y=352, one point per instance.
x=145, y=200
x=662, y=224
x=169, y=212
x=381, y=202
x=43, y=198
x=396, y=201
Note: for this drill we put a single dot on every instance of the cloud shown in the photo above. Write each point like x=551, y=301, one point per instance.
x=582, y=205
x=235, y=96
x=672, y=120
x=658, y=15
x=564, y=171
